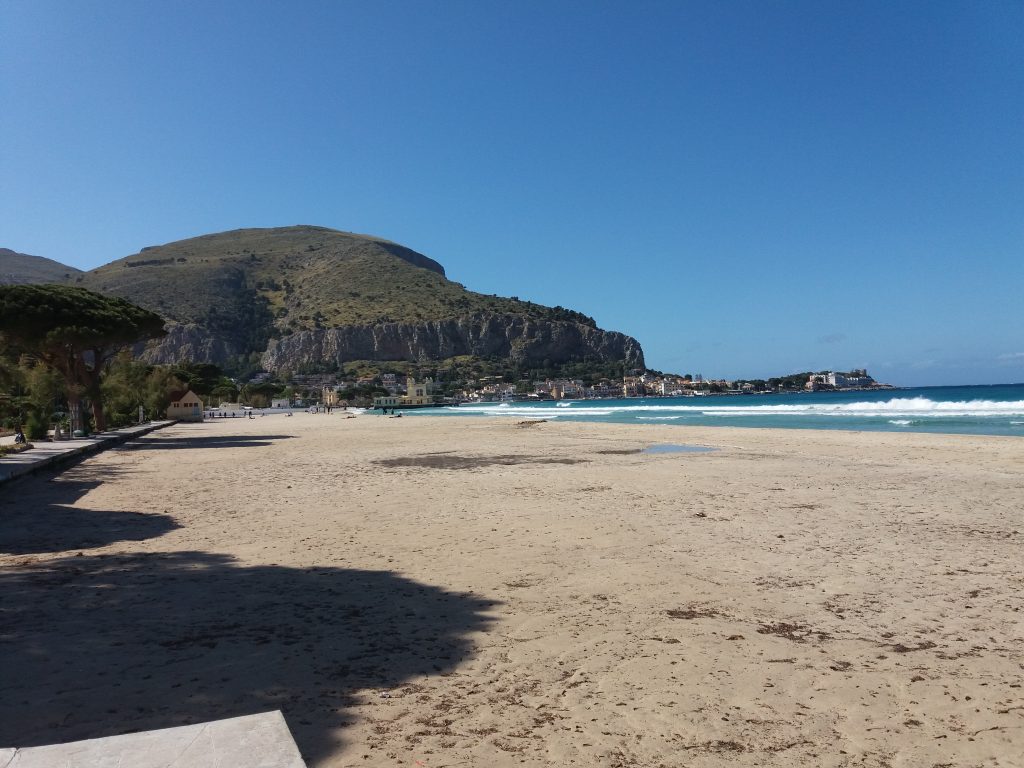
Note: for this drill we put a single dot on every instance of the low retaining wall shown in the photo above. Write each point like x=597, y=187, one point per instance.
x=56, y=454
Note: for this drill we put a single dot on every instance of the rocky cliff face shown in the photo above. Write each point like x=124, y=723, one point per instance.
x=187, y=343
x=507, y=336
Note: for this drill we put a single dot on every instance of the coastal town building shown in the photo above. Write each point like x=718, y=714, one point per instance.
x=632, y=386
x=855, y=379
x=185, y=406
x=416, y=395
x=329, y=397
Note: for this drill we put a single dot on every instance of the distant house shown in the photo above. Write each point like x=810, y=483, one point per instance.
x=280, y=402
x=185, y=406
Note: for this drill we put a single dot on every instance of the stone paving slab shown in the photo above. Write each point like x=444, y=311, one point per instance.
x=251, y=741
x=46, y=454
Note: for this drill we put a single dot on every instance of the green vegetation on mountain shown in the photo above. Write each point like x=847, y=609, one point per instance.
x=20, y=268
x=263, y=283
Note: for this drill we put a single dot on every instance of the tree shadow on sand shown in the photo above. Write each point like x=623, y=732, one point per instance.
x=94, y=646
x=42, y=514
x=204, y=441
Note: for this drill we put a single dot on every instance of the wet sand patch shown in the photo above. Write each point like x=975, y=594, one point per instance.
x=449, y=461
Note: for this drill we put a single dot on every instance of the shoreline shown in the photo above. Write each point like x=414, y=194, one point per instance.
x=470, y=591
x=998, y=410
x=726, y=428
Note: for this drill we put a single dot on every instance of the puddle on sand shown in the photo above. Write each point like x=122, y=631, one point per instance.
x=673, y=448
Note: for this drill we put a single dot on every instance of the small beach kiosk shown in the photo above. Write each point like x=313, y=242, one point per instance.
x=185, y=406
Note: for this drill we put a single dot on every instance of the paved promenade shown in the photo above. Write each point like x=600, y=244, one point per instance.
x=47, y=454
x=253, y=741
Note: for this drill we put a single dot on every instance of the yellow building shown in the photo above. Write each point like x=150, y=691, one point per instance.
x=415, y=394
x=330, y=396
x=185, y=406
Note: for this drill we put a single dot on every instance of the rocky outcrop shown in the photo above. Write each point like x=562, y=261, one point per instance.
x=526, y=341
x=187, y=342
x=411, y=256
x=506, y=336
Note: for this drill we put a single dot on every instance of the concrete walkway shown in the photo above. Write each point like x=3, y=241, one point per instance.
x=49, y=455
x=252, y=741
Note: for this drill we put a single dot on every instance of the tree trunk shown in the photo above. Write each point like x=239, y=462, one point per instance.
x=74, y=409
x=98, y=416
x=93, y=376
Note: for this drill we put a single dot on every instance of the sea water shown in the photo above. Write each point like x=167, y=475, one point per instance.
x=975, y=410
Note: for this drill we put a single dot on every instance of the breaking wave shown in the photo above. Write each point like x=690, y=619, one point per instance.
x=896, y=408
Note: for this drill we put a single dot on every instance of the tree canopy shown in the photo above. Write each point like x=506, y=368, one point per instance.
x=74, y=331
x=48, y=317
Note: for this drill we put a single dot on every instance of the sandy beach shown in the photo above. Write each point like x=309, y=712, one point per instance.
x=466, y=592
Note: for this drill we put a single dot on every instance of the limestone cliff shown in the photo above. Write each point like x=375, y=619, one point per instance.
x=188, y=343
x=514, y=337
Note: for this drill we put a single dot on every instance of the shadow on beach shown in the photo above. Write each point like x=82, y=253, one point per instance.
x=94, y=646
x=39, y=515
x=203, y=441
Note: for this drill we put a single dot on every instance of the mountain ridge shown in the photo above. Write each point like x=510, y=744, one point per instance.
x=267, y=295
x=21, y=268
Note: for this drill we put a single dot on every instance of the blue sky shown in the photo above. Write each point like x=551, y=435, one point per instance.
x=749, y=189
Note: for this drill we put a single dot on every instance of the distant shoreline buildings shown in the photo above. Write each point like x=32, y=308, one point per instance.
x=394, y=392
x=391, y=390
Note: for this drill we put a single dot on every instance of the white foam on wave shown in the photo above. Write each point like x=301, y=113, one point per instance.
x=901, y=422
x=660, y=418
x=563, y=405
x=916, y=407
x=919, y=407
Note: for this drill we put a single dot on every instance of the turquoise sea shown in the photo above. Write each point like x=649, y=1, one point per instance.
x=976, y=410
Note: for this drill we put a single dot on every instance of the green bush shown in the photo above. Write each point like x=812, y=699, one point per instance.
x=35, y=427
x=118, y=419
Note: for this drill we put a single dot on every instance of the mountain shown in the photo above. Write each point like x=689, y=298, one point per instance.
x=20, y=268
x=310, y=298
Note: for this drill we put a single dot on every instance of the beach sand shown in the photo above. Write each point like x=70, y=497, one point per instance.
x=467, y=592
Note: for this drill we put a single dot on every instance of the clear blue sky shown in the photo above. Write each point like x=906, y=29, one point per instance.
x=749, y=189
